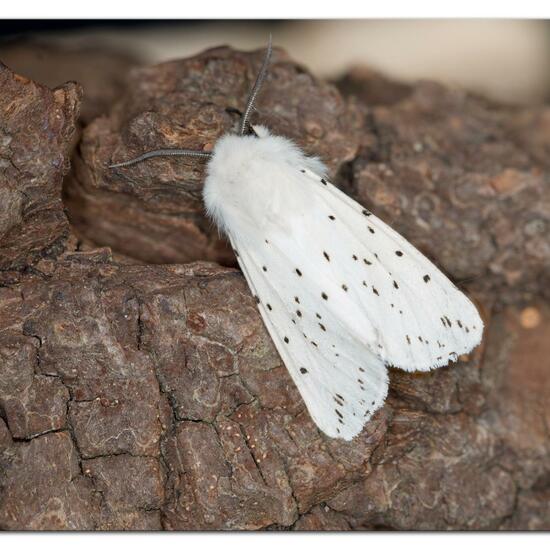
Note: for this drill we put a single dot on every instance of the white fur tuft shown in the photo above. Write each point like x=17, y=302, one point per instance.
x=248, y=172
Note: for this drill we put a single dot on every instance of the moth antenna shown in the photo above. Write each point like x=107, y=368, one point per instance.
x=163, y=153
x=256, y=89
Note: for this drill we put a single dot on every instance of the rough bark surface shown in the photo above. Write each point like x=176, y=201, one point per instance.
x=36, y=130
x=151, y=397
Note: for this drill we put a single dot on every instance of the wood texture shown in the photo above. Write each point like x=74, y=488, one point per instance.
x=135, y=395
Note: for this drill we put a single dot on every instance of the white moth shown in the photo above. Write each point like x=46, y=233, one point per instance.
x=342, y=295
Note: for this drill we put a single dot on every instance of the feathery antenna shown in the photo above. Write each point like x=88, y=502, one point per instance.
x=256, y=89
x=163, y=153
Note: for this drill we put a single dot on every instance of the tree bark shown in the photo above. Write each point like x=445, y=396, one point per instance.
x=135, y=395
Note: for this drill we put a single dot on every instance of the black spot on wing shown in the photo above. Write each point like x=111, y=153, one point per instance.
x=445, y=321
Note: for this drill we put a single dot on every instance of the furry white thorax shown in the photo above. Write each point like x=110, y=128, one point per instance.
x=251, y=179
